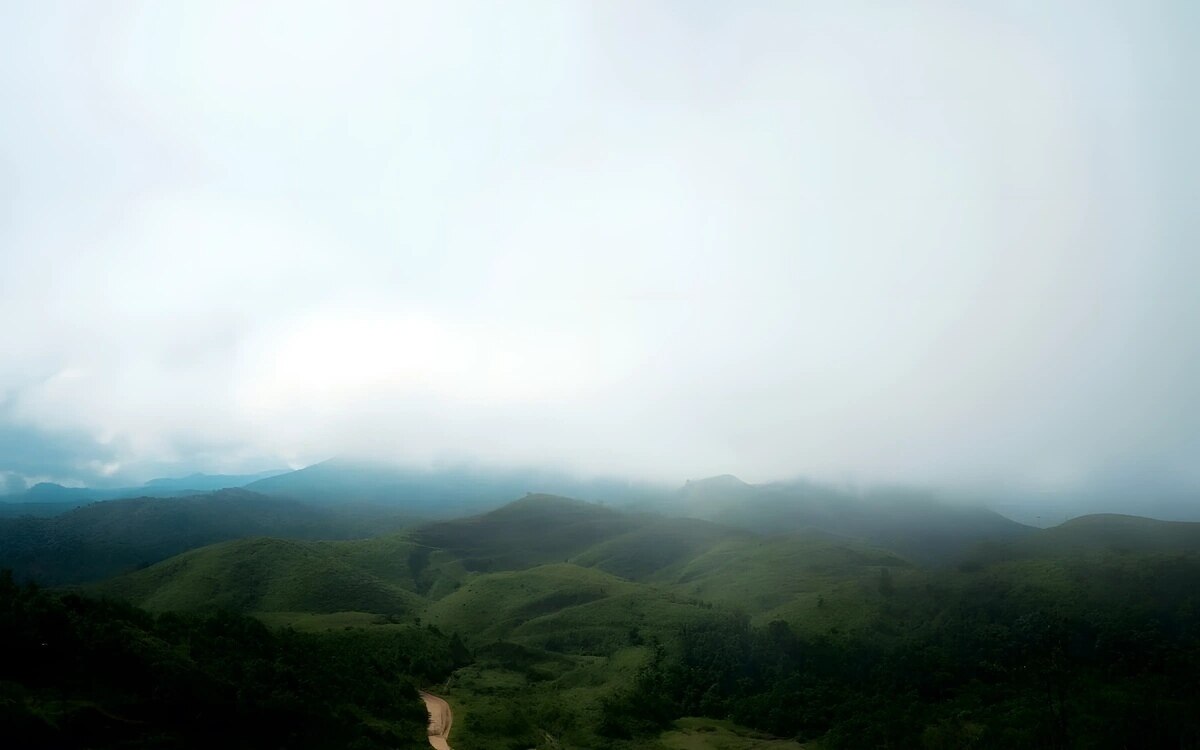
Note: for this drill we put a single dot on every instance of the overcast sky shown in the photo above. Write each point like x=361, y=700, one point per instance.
x=941, y=242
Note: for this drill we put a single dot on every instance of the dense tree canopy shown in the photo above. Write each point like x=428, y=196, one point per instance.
x=81, y=672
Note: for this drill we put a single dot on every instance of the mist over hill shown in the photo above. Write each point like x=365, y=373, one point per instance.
x=869, y=511
x=49, y=498
x=916, y=523
x=445, y=491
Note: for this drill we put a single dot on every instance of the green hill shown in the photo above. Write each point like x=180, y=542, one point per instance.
x=262, y=575
x=536, y=529
x=1113, y=533
x=656, y=546
x=493, y=605
x=911, y=523
x=115, y=536
x=810, y=579
x=389, y=574
x=594, y=627
x=1092, y=536
x=502, y=574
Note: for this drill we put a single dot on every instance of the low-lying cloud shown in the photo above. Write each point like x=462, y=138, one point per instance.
x=668, y=239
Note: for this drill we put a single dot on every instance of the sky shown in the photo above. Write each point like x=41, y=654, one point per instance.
x=944, y=242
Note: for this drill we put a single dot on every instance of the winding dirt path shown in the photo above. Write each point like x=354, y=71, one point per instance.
x=440, y=720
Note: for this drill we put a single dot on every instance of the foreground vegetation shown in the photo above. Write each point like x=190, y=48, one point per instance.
x=1095, y=651
x=988, y=662
x=106, y=538
x=81, y=672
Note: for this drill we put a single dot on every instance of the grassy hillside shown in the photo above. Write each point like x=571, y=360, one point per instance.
x=492, y=606
x=536, y=529
x=502, y=574
x=656, y=546
x=1112, y=533
x=813, y=580
x=1092, y=536
x=257, y=575
x=115, y=536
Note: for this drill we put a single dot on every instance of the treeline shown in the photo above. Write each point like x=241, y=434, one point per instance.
x=986, y=666
x=81, y=672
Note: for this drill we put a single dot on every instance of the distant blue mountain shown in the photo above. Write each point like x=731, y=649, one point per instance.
x=208, y=482
x=442, y=492
x=50, y=499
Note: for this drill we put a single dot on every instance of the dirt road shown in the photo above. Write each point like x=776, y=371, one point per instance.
x=440, y=720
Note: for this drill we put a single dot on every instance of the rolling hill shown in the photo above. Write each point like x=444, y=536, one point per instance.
x=259, y=575
x=914, y=524
x=1112, y=533
x=533, y=530
x=513, y=571
x=655, y=546
x=1067, y=555
x=542, y=566
x=575, y=612
x=114, y=536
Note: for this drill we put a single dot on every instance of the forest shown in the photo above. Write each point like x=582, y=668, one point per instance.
x=982, y=667
x=82, y=672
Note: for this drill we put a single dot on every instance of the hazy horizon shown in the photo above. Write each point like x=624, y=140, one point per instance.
x=945, y=246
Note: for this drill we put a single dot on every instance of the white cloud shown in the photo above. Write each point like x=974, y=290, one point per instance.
x=668, y=238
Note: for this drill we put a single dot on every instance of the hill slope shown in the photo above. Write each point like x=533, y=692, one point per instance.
x=114, y=536
x=502, y=573
x=1118, y=533
x=656, y=546
x=527, y=532
x=913, y=524
x=259, y=575
x=1095, y=535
